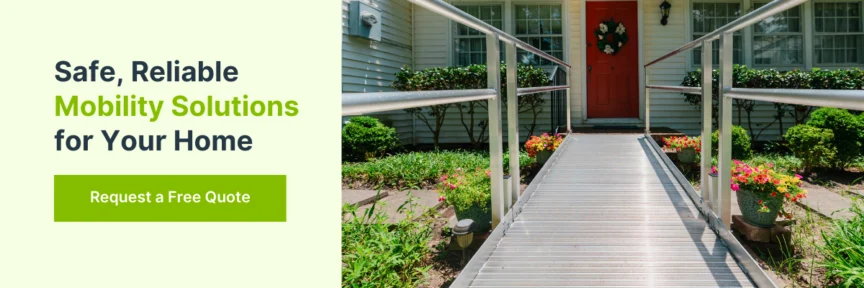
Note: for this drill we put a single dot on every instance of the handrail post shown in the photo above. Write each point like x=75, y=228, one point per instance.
x=493, y=75
x=512, y=123
x=567, y=98
x=707, y=110
x=647, y=106
x=724, y=156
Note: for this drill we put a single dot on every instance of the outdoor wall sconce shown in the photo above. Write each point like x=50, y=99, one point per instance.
x=664, y=10
x=464, y=232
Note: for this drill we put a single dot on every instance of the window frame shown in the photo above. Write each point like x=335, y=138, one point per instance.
x=689, y=25
x=812, y=45
x=802, y=16
x=563, y=35
x=454, y=27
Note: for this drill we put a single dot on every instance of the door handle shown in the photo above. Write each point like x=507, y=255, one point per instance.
x=589, y=68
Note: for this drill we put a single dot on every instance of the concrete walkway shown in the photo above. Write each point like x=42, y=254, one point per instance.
x=830, y=204
x=424, y=200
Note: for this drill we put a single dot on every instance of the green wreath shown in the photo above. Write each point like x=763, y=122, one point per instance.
x=611, y=36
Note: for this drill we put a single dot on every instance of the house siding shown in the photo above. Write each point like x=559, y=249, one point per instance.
x=370, y=66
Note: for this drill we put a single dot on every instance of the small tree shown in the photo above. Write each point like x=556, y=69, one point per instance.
x=364, y=138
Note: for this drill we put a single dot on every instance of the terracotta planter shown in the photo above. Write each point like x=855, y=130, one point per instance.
x=543, y=156
x=687, y=155
x=748, y=201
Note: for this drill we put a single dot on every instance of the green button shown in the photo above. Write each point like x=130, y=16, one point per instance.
x=96, y=198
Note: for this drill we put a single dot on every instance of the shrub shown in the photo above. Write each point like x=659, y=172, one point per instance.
x=420, y=169
x=848, y=133
x=364, y=138
x=810, y=144
x=469, y=192
x=843, y=250
x=740, y=143
x=379, y=254
x=744, y=77
x=468, y=77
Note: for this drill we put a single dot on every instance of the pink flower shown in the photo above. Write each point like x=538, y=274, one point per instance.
x=452, y=187
x=714, y=169
x=443, y=178
x=798, y=176
x=458, y=169
x=735, y=187
x=441, y=199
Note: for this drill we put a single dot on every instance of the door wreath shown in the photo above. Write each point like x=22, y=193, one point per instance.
x=610, y=41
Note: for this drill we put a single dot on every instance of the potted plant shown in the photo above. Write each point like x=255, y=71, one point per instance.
x=469, y=192
x=541, y=147
x=687, y=148
x=761, y=192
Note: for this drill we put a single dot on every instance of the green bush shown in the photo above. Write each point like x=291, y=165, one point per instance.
x=787, y=164
x=420, y=169
x=364, y=138
x=379, y=254
x=740, y=143
x=469, y=77
x=848, y=133
x=811, y=144
x=843, y=251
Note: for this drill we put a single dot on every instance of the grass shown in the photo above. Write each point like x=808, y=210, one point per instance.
x=843, y=250
x=419, y=169
x=378, y=254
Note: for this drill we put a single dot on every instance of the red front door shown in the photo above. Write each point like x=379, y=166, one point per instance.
x=613, y=80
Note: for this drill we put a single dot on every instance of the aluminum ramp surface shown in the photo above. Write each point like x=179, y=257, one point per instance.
x=606, y=213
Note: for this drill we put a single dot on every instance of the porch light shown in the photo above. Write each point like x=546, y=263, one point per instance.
x=464, y=232
x=664, y=10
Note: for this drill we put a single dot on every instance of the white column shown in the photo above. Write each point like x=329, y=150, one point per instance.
x=495, y=142
x=512, y=124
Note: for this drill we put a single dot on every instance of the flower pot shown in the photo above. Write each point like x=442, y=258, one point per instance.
x=748, y=201
x=687, y=155
x=542, y=156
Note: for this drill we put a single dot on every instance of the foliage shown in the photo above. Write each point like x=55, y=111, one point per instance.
x=740, y=143
x=781, y=163
x=843, y=250
x=544, y=142
x=848, y=133
x=677, y=143
x=469, y=192
x=766, y=182
x=610, y=36
x=743, y=77
x=467, y=77
x=421, y=169
x=812, y=145
x=365, y=137
x=378, y=254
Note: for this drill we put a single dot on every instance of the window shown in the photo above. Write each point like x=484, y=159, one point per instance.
x=779, y=40
x=541, y=27
x=469, y=44
x=707, y=17
x=838, y=33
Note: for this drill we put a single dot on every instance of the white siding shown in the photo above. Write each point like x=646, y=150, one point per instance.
x=370, y=66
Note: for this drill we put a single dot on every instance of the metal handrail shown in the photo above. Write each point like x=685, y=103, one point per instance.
x=453, y=13
x=682, y=89
x=847, y=99
x=532, y=90
x=748, y=19
x=361, y=103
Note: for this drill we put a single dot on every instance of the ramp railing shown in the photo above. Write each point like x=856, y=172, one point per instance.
x=718, y=212
x=502, y=201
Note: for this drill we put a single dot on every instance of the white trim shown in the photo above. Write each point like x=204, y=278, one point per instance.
x=641, y=62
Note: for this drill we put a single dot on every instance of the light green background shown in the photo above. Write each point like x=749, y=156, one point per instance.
x=283, y=50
